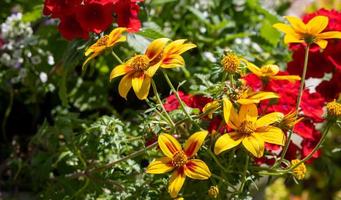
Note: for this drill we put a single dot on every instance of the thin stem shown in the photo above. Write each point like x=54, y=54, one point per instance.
x=7, y=113
x=299, y=98
x=318, y=145
x=161, y=104
x=224, y=181
x=216, y=160
x=116, y=56
x=179, y=99
x=244, y=174
x=111, y=164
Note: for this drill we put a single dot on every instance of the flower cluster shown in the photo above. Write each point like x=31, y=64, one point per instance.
x=78, y=18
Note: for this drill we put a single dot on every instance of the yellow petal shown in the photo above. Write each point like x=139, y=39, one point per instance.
x=172, y=61
x=284, y=28
x=287, y=77
x=120, y=70
x=137, y=81
x=160, y=166
x=322, y=43
x=178, y=47
x=124, y=86
x=329, y=35
x=269, y=70
x=269, y=119
x=254, y=144
x=210, y=108
x=248, y=112
x=88, y=59
x=115, y=36
x=258, y=96
x=194, y=142
x=144, y=90
x=234, y=121
x=297, y=24
x=317, y=24
x=168, y=145
x=197, y=169
x=272, y=135
x=176, y=182
x=152, y=69
x=254, y=69
x=227, y=108
x=292, y=39
x=226, y=142
x=156, y=47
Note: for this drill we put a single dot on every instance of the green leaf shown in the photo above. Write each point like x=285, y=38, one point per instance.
x=34, y=15
x=160, y=2
x=268, y=33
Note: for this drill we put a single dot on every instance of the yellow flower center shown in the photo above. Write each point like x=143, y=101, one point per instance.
x=230, y=63
x=213, y=192
x=179, y=159
x=334, y=109
x=246, y=128
x=102, y=41
x=140, y=62
x=299, y=171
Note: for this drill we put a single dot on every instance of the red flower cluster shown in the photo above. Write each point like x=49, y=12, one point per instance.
x=328, y=61
x=311, y=110
x=193, y=101
x=79, y=17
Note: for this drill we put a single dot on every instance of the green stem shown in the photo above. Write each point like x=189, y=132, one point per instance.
x=116, y=56
x=299, y=98
x=318, y=145
x=224, y=181
x=244, y=174
x=216, y=160
x=111, y=164
x=161, y=104
x=179, y=99
x=7, y=113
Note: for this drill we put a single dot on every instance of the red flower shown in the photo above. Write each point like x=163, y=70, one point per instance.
x=305, y=129
x=127, y=14
x=172, y=103
x=253, y=81
x=199, y=101
x=60, y=8
x=95, y=16
x=71, y=29
x=330, y=89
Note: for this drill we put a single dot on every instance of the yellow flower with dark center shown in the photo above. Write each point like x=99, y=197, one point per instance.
x=180, y=160
x=334, y=109
x=250, y=130
x=139, y=70
x=213, y=192
x=300, y=170
x=231, y=63
x=270, y=72
x=309, y=33
x=105, y=42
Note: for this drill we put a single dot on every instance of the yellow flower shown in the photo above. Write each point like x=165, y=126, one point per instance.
x=180, y=161
x=300, y=170
x=247, y=96
x=289, y=120
x=308, y=33
x=139, y=70
x=211, y=107
x=334, y=109
x=231, y=63
x=249, y=130
x=213, y=192
x=106, y=41
x=270, y=72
